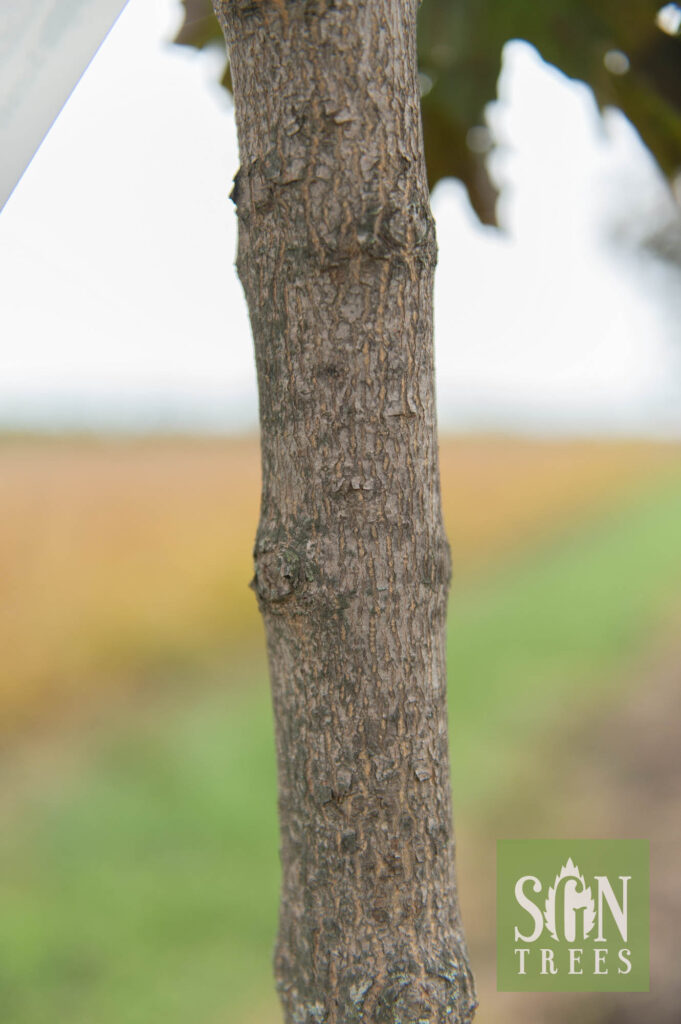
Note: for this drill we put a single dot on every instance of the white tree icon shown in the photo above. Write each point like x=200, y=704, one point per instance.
x=576, y=896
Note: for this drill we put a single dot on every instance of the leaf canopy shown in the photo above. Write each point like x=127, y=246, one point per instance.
x=627, y=51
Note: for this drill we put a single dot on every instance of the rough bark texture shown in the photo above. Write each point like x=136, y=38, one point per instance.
x=336, y=255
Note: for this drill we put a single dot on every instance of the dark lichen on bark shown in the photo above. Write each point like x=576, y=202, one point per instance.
x=336, y=255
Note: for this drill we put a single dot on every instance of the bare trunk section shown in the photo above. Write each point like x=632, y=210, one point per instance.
x=336, y=255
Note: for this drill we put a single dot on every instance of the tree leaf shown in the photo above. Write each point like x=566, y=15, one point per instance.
x=618, y=47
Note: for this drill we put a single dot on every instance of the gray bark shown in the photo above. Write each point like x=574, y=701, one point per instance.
x=336, y=255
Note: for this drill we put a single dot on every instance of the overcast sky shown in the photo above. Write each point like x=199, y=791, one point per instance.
x=120, y=304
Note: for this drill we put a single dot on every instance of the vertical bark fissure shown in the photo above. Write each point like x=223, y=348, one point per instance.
x=336, y=255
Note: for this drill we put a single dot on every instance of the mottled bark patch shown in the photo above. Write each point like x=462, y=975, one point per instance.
x=336, y=255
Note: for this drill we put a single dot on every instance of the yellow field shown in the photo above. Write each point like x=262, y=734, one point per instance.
x=122, y=560
x=503, y=493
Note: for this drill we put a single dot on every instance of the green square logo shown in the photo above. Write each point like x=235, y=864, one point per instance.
x=573, y=915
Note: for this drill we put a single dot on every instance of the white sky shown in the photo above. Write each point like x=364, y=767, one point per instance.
x=120, y=304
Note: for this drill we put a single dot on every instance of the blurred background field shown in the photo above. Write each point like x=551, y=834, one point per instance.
x=125, y=558
x=138, y=836
x=138, y=847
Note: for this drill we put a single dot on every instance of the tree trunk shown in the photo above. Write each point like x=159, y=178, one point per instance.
x=336, y=256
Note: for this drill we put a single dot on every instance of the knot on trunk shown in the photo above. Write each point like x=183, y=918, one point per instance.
x=281, y=572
